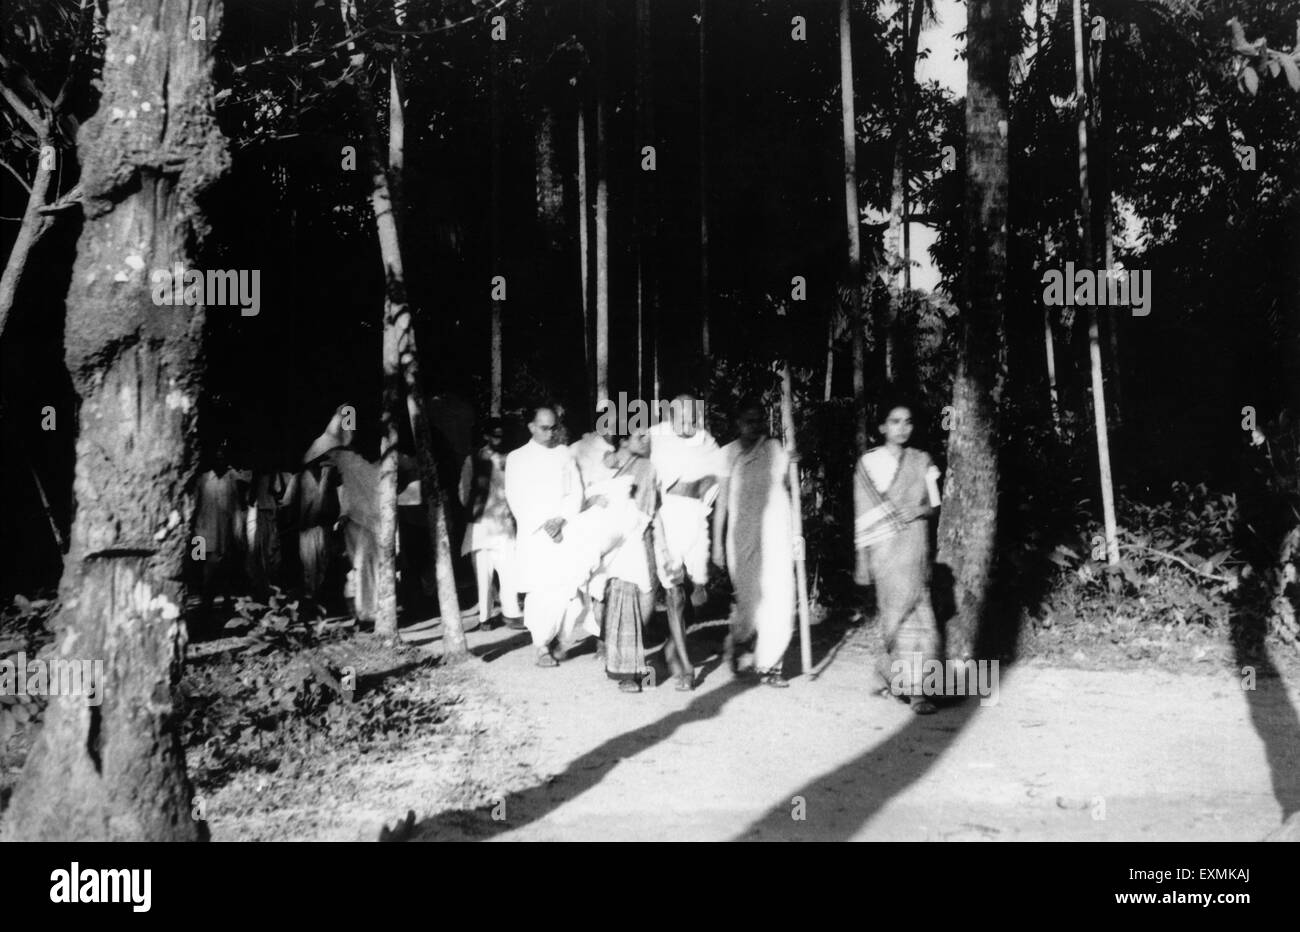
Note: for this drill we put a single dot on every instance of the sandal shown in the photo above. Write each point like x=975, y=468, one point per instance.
x=775, y=679
x=686, y=682
x=629, y=686
x=546, y=660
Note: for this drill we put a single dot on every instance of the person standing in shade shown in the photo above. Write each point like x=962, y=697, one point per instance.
x=544, y=491
x=490, y=533
x=219, y=525
x=753, y=540
x=895, y=490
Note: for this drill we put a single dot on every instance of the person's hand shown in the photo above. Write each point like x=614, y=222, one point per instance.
x=911, y=513
x=555, y=527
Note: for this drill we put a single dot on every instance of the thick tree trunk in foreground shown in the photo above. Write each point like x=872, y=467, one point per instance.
x=116, y=771
x=968, y=519
x=852, y=222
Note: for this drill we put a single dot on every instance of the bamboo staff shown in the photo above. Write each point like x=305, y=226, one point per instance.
x=796, y=521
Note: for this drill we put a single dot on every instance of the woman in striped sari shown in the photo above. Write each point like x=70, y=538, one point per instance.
x=895, y=489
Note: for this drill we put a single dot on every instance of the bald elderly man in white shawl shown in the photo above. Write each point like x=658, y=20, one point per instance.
x=688, y=462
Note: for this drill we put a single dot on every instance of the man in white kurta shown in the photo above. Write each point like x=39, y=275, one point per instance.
x=544, y=491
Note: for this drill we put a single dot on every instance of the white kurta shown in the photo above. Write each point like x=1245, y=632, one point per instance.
x=541, y=483
x=685, y=520
x=759, y=544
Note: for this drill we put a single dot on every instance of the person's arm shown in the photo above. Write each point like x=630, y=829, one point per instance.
x=466, y=478
x=572, y=503
x=925, y=508
x=720, y=523
x=517, y=497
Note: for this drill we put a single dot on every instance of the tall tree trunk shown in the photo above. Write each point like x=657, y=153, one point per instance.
x=646, y=222
x=1044, y=105
x=1094, y=340
x=830, y=354
x=33, y=224
x=1104, y=233
x=116, y=771
x=852, y=222
x=602, y=219
x=495, y=221
x=584, y=259
x=398, y=323
x=968, y=520
x=898, y=187
x=704, y=190
x=391, y=400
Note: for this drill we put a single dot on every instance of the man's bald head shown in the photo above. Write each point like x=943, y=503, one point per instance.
x=544, y=426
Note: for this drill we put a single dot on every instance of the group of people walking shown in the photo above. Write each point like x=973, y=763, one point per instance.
x=594, y=534
x=586, y=540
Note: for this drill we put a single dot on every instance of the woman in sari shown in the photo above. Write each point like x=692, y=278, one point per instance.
x=753, y=538
x=631, y=568
x=895, y=489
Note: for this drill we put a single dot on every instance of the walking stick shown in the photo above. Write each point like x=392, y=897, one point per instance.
x=796, y=521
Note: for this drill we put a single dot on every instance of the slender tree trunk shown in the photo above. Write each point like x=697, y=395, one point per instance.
x=398, y=321
x=1104, y=232
x=1049, y=340
x=830, y=354
x=968, y=520
x=33, y=224
x=852, y=222
x=583, y=259
x=495, y=207
x=646, y=222
x=391, y=401
x=1094, y=341
x=898, y=188
x=116, y=771
x=704, y=190
x=602, y=219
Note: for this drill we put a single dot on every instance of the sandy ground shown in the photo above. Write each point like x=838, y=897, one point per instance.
x=1065, y=754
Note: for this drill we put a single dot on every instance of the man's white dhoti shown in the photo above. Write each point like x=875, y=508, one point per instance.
x=684, y=460
x=543, y=483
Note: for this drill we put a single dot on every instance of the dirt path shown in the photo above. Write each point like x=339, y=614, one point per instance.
x=1065, y=754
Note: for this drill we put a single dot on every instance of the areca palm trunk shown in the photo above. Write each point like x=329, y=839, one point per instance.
x=1094, y=339
x=852, y=223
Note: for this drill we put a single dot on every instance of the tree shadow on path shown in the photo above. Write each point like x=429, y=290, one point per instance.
x=524, y=807
x=836, y=805
x=1272, y=715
